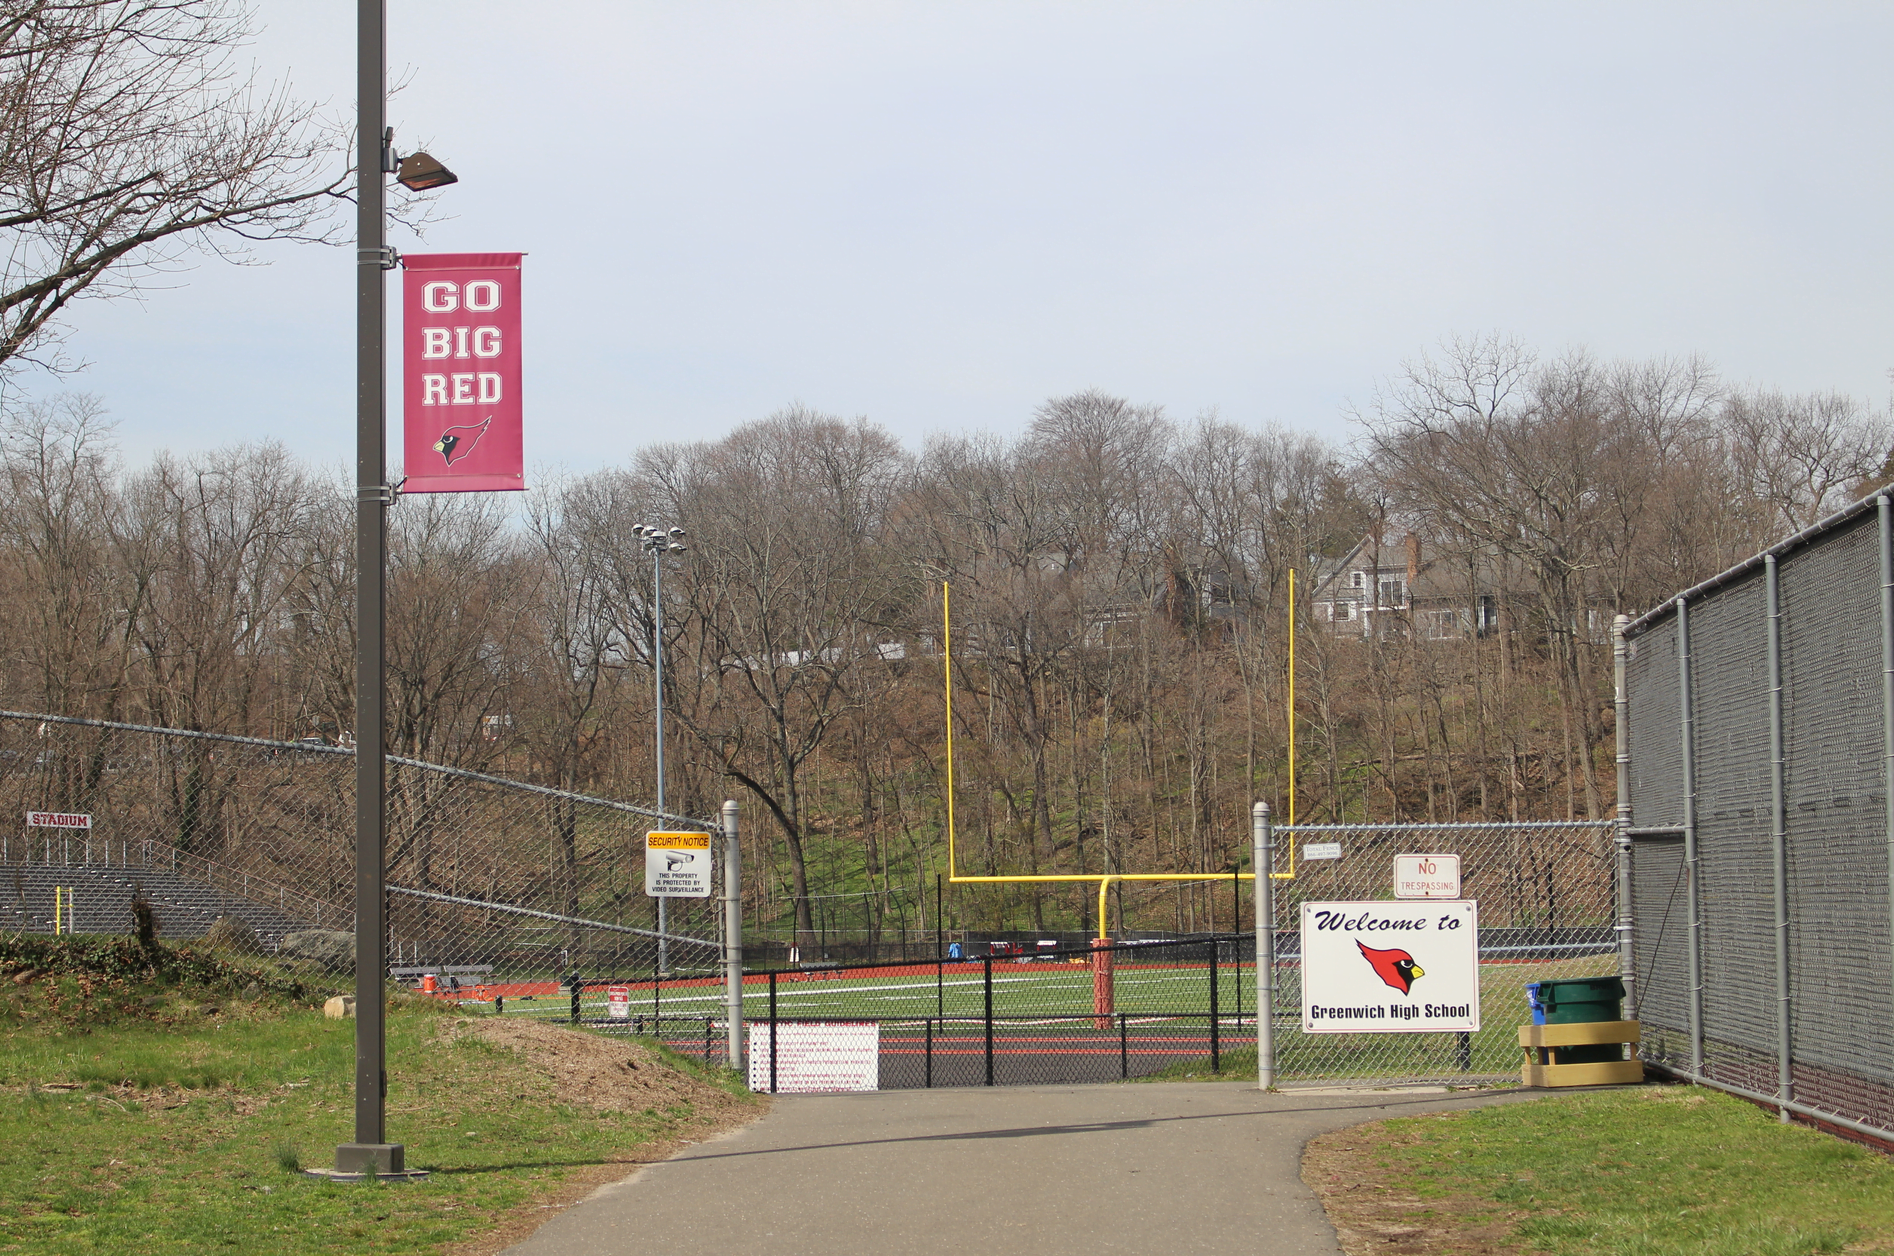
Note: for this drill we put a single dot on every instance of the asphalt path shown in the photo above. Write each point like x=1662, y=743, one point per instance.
x=1159, y=1168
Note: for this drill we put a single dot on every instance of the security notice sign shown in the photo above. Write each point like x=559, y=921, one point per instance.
x=677, y=865
x=1391, y=967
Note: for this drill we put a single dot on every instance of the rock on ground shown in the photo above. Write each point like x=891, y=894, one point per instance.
x=331, y=948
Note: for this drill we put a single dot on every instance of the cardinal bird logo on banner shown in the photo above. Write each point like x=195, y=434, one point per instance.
x=1397, y=968
x=457, y=442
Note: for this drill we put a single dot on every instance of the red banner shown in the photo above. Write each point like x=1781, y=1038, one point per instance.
x=461, y=378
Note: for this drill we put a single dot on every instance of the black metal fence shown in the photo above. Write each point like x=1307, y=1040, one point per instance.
x=1065, y=1015
x=1091, y=1013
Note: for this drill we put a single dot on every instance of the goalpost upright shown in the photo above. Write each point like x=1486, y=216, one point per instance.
x=1261, y=856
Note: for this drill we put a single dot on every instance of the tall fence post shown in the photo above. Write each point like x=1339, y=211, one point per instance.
x=732, y=937
x=772, y=1032
x=1216, y=1040
x=1882, y=507
x=1621, y=709
x=1262, y=839
x=1687, y=722
x=987, y=964
x=1778, y=824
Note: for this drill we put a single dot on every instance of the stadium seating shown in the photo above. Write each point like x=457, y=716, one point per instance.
x=102, y=898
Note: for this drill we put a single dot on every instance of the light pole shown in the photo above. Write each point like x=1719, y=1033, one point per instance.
x=371, y=1154
x=658, y=542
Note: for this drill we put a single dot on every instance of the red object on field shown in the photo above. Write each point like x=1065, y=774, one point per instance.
x=1102, y=983
x=428, y=984
x=461, y=373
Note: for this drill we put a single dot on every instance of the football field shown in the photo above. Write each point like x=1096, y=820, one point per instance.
x=1046, y=1024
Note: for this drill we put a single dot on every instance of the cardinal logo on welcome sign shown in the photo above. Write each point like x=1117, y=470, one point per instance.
x=462, y=418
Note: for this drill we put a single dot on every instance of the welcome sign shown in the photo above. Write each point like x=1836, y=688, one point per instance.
x=1381, y=967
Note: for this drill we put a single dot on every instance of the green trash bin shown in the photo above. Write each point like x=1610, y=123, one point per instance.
x=1583, y=1000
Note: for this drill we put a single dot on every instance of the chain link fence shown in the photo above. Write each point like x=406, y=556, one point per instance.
x=496, y=889
x=526, y=900
x=1063, y=1013
x=1759, y=739
x=1547, y=895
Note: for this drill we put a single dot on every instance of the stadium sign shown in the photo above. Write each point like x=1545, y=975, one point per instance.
x=1382, y=967
x=677, y=865
x=58, y=820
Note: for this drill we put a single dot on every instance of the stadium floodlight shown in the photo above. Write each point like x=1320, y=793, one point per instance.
x=658, y=543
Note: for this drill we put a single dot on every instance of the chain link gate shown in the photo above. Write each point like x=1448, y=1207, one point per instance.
x=497, y=889
x=1548, y=903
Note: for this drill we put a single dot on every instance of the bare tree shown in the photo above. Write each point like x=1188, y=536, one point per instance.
x=65, y=608
x=130, y=136
x=1803, y=455
x=787, y=588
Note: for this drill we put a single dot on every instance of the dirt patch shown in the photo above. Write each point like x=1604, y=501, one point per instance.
x=1374, y=1210
x=589, y=1070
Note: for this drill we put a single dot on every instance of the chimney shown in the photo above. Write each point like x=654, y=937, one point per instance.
x=1413, y=561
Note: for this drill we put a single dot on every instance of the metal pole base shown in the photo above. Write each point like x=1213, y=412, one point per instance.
x=361, y=1162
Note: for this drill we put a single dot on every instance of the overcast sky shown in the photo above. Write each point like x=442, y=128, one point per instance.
x=939, y=215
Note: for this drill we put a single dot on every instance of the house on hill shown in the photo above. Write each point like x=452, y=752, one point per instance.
x=1378, y=589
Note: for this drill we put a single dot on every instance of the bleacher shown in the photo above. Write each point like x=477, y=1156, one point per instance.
x=102, y=902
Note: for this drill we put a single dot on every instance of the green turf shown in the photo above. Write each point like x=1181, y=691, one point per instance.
x=1655, y=1171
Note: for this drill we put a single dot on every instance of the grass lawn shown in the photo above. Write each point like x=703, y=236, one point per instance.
x=1654, y=1170
x=136, y=1118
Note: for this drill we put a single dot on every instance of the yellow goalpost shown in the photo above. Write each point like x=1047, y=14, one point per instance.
x=1104, y=879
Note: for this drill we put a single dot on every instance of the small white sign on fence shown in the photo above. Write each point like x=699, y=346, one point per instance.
x=1427, y=876
x=814, y=1058
x=1312, y=851
x=618, y=1002
x=58, y=820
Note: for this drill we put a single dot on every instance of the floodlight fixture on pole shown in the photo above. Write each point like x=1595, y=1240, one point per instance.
x=419, y=172
x=656, y=542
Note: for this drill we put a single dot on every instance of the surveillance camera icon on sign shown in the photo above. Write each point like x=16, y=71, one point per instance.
x=673, y=860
